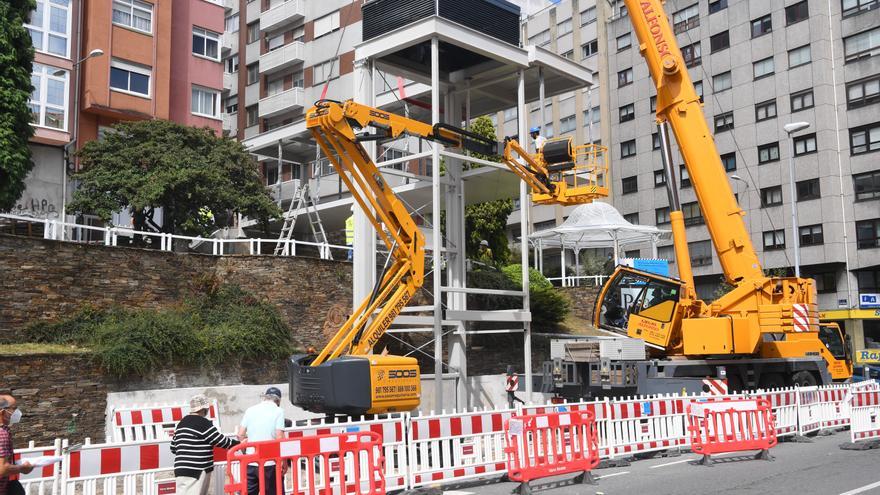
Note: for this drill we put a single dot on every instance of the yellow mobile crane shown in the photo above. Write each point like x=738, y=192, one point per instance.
x=345, y=378
x=764, y=332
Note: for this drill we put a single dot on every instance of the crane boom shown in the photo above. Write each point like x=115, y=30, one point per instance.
x=679, y=105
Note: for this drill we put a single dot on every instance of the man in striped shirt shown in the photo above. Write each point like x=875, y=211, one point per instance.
x=195, y=437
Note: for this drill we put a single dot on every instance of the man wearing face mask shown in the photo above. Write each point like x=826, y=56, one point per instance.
x=9, y=415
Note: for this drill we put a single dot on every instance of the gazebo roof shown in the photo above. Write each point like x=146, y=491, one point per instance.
x=597, y=225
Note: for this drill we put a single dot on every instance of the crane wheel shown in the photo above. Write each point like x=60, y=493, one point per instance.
x=803, y=379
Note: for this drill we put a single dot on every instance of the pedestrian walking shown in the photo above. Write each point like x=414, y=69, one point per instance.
x=261, y=422
x=511, y=385
x=195, y=437
x=10, y=414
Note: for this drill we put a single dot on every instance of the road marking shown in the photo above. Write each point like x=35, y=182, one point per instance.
x=862, y=489
x=610, y=475
x=671, y=463
x=454, y=492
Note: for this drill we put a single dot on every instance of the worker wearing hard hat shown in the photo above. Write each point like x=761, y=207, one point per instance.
x=537, y=138
x=484, y=255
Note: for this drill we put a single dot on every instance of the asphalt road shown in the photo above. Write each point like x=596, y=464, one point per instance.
x=820, y=467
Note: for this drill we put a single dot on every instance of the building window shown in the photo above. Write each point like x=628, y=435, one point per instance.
x=232, y=64
x=686, y=18
x=863, y=92
x=802, y=100
x=867, y=185
x=666, y=253
x=864, y=139
x=592, y=115
x=796, y=13
x=808, y=189
x=763, y=68
x=134, y=14
x=768, y=153
x=299, y=80
x=698, y=88
x=799, y=56
x=721, y=82
x=661, y=216
x=624, y=77
x=274, y=85
x=729, y=161
x=629, y=185
x=563, y=27
x=253, y=73
x=805, y=144
x=326, y=71
x=206, y=43
x=632, y=253
x=540, y=39
x=774, y=239
x=275, y=42
x=49, y=27
x=854, y=7
x=253, y=32
x=567, y=124
x=653, y=103
x=811, y=235
x=825, y=282
x=588, y=16
x=685, y=178
x=510, y=114
x=569, y=54
x=765, y=110
x=771, y=196
x=868, y=234
x=48, y=101
x=692, y=54
x=692, y=214
x=701, y=253
x=861, y=45
x=232, y=25
x=761, y=26
x=723, y=122
x=589, y=48
x=205, y=102
x=655, y=141
x=659, y=178
x=327, y=24
x=130, y=78
x=624, y=42
x=868, y=280
x=720, y=41
x=253, y=115
x=717, y=6
x=627, y=112
x=628, y=148
x=230, y=105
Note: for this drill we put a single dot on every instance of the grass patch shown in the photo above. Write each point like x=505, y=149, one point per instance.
x=218, y=324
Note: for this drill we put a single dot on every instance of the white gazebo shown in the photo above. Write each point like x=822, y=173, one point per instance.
x=595, y=225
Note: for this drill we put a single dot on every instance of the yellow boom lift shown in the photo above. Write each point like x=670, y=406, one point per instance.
x=345, y=377
x=766, y=330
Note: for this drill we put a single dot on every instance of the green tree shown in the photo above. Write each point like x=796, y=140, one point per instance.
x=187, y=171
x=16, y=64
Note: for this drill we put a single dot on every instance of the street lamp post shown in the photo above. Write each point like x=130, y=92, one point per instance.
x=791, y=129
x=97, y=52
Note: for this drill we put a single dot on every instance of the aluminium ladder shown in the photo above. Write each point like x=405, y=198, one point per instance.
x=303, y=201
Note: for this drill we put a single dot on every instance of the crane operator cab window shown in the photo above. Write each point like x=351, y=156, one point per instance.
x=830, y=335
x=632, y=293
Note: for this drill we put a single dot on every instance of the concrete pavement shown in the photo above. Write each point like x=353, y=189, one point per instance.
x=820, y=468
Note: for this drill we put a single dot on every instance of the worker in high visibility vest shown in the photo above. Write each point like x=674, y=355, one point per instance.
x=349, y=234
x=511, y=385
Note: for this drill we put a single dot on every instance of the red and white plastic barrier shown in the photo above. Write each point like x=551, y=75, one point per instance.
x=457, y=446
x=834, y=406
x=42, y=480
x=151, y=422
x=865, y=413
x=783, y=403
x=634, y=425
x=809, y=417
x=718, y=427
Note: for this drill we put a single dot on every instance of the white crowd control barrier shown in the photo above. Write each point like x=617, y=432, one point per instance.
x=42, y=480
x=151, y=422
x=394, y=442
x=809, y=417
x=457, y=446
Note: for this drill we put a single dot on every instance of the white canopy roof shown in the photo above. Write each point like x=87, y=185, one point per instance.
x=597, y=225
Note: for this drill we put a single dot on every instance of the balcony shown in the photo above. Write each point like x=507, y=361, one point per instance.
x=230, y=42
x=230, y=122
x=282, y=58
x=230, y=81
x=281, y=15
x=279, y=103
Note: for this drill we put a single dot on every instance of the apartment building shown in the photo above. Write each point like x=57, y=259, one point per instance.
x=759, y=66
x=149, y=59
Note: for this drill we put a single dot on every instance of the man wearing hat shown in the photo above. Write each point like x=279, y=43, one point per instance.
x=261, y=422
x=195, y=437
x=539, y=140
x=484, y=255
